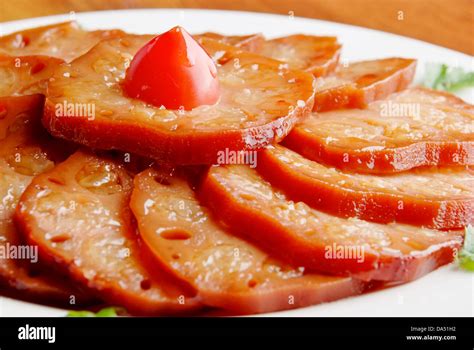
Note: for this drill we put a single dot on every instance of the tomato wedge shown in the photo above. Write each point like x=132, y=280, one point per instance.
x=78, y=215
x=62, y=40
x=172, y=70
x=318, y=241
x=260, y=102
x=318, y=55
x=227, y=271
x=359, y=83
x=442, y=199
x=417, y=127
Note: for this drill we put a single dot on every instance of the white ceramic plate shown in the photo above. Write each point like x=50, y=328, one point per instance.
x=445, y=292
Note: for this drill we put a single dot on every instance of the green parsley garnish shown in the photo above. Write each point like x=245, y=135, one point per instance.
x=465, y=257
x=107, y=312
x=442, y=77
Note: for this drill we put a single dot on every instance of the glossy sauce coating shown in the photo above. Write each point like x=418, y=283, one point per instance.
x=417, y=127
x=442, y=199
x=63, y=40
x=356, y=84
x=251, y=207
x=260, y=102
x=78, y=215
x=227, y=272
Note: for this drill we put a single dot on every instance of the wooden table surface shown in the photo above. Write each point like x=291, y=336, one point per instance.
x=448, y=23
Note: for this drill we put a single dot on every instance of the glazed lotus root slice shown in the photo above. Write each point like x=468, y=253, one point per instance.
x=25, y=151
x=251, y=43
x=259, y=103
x=62, y=40
x=417, y=127
x=356, y=84
x=318, y=55
x=351, y=85
x=78, y=215
x=22, y=85
x=318, y=241
x=20, y=76
x=227, y=271
x=442, y=199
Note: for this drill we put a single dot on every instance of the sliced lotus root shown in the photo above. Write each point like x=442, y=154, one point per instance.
x=441, y=199
x=62, y=40
x=260, y=102
x=356, y=84
x=25, y=75
x=318, y=55
x=78, y=215
x=415, y=128
x=26, y=150
x=252, y=42
x=227, y=271
x=304, y=236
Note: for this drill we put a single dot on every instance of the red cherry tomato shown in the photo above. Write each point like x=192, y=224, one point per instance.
x=174, y=71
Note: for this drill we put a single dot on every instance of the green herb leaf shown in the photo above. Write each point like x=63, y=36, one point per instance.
x=442, y=77
x=106, y=312
x=465, y=257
